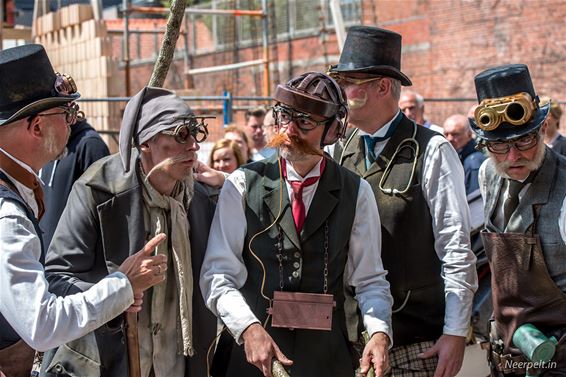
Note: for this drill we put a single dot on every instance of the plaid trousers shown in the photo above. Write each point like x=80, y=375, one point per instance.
x=404, y=362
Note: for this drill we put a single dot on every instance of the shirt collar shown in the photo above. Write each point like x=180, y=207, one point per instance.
x=383, y=130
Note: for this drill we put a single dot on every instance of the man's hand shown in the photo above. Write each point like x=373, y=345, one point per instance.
x=261, y=349
x=205, y=174
x=375, y=354
x=450, y=351
x=143, y=269
x=137, y=305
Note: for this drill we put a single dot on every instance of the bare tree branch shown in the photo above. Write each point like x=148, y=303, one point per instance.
x=167, y=50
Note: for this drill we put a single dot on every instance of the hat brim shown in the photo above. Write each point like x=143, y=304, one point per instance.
x=507, y=131
x=383, y=70
x=39, y=106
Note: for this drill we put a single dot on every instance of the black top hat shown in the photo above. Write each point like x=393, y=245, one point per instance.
x=372, y=50
x=505, y=81
x=28, y=83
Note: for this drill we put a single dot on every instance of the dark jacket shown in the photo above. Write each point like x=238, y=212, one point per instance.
x=84, y=147
x=101, y=226
x=408, y=253
x=471, y=160
x=559, y=145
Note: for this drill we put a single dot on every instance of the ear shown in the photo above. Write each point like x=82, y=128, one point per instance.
x=144, y=147
x=544, y=126
x=35, y=126
x=383, y=88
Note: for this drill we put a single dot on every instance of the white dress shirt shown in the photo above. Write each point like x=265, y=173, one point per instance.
x=224, y=272
x=445, y=193
x=42, y=319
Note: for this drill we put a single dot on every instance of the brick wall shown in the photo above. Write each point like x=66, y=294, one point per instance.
x=445, y=43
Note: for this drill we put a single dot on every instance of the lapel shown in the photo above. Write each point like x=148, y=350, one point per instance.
x=537, y=193
x=404, y=130
x=355, y=149
x=274, y=198
x=325, y=200
x=491, y=205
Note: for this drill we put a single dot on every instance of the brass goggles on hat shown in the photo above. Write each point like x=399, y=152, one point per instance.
x=516, y=110
x=193, y=125
x=64, y=84
x=284, y=115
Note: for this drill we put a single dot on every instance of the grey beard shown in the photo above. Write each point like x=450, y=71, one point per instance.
x=501, y=167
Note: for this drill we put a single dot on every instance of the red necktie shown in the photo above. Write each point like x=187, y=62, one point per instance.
x=298, y=206
x=25, y=178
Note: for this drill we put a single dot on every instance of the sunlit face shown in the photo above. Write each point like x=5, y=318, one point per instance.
x=171, y=158
x=516, y=164
x=57, y=133
x=235, y=136
x=410, y=107
x=254, y=129
x=224, y=159
x=457, y=133
x=359, y=93
x=311, y=139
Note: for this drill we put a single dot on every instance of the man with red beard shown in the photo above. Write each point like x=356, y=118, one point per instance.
x=418, y=182
x=524, y=186
x=118, y=203
x=288, y=233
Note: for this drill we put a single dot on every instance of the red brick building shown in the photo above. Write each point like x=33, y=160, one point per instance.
x=445, y=43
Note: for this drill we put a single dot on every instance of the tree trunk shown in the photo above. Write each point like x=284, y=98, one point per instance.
x=169, y=41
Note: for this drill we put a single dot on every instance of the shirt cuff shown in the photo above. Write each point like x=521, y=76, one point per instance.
x=235, y=313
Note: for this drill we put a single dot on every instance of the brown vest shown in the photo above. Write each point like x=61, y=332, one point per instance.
x=407, y=238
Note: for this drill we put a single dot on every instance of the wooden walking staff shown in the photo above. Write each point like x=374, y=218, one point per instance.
x=157, y=78
x=133, y=343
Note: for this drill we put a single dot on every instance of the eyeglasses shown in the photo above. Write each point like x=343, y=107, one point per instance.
x=344, y=80
x=71, y=111
x=522, y=143
x=192, y=126
x=516, y=110
x=284, y=115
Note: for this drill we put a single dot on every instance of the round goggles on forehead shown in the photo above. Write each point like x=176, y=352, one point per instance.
x=516, y=110
x=194, y=126
x=522, y=143
x=64, y=84
x=284, y=115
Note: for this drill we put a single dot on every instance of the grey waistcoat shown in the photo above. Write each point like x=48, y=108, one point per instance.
x=545, y=196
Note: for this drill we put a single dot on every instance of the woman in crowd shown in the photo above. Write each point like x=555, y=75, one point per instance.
x=226, y=156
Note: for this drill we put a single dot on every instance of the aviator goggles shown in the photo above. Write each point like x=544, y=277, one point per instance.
x=284, y=115
x=192, y=125
x=516, y=110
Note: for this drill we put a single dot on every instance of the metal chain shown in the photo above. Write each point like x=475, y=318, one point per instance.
x=280, y=256
x=325, y=288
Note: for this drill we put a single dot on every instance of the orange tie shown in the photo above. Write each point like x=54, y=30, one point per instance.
x=26, y=178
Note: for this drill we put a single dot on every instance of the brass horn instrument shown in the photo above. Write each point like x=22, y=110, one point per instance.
x=517, y=110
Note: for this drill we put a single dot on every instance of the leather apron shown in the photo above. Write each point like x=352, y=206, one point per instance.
x=17, y=360
x=523, y=291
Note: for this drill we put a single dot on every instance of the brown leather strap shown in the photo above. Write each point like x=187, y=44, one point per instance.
x=17, y=360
